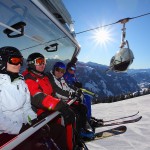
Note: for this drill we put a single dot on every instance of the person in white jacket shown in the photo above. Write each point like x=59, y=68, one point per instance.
x=15, y=106
x=64, y=92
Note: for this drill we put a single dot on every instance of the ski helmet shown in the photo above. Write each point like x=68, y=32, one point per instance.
x=31, y=60
x=6, y=55
x=60, y=65
x=71, y=66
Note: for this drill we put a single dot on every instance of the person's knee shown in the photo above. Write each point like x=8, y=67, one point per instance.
x=83, y=108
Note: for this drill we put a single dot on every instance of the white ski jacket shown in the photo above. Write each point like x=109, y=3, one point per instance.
x=15, y=106
x=60, y=87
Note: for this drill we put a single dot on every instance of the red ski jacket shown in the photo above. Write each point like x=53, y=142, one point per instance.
x=41, y=90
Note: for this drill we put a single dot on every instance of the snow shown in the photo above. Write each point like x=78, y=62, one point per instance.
x=137, y=136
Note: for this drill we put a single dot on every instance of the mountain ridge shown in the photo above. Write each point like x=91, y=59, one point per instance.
x=95, y=78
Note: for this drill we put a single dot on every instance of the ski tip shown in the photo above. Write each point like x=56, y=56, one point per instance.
x=110, y=132
x=140, y=117
x=123, y=127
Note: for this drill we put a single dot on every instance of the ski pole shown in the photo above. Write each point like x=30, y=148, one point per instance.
x=89, y=92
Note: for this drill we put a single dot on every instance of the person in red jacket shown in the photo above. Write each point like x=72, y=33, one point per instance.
x=44, y=103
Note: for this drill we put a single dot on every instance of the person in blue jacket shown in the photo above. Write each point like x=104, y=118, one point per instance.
x=73, y=82
x=65, y=93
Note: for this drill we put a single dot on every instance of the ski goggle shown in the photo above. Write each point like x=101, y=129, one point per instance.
x=72, y=68
x=15, y=60
x=38, y=61
x=60, y=70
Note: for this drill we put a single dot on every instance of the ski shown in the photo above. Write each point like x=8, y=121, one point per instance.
x=123, y=122
x=122, y=117
x=108, y=133
x=113, y=131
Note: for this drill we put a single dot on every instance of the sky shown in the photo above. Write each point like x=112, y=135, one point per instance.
x=137, y=135
x=98, y=47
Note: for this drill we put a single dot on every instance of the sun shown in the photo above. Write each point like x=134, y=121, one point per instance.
x=102, y=36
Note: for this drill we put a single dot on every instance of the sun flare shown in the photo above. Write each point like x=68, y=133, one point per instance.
x=102, y=36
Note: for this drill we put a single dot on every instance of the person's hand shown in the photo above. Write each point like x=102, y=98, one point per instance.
x=77, y=94
x=72, y=94
x=67, y=113
x=34, y=121
x=78, y=84
x=24, y=127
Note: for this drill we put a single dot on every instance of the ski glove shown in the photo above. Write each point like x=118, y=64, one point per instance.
x=66, y=112
x=78, y=93
x=24, y=127
x=78, y=84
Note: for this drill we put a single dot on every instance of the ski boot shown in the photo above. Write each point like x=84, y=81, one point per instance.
x=96, y=122
x=87, y=132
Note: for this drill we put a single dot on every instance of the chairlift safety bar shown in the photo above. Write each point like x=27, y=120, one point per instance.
x=24, y=135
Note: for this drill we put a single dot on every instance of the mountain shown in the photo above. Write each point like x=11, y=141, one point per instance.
x=95, y=78
x=142, y=76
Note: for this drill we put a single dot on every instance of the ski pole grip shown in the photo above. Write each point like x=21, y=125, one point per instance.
x=88, y=92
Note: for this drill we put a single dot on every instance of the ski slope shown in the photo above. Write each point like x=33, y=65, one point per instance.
x=137, y=136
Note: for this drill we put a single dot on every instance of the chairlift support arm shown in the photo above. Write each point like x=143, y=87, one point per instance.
x=123, y=42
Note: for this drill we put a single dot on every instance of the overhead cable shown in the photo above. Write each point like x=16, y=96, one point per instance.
x=119, y=21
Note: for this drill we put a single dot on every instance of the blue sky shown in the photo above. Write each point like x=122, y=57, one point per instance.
x=88, y=14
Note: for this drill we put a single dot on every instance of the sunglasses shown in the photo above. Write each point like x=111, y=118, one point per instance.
x=60, y=70
x=15, y=60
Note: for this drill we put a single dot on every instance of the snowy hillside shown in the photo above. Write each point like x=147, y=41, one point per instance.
x=141, y=76
x=137, y=136
x=95, y=78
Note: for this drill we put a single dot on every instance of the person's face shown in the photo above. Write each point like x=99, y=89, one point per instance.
x=40, y=68
x=59, y=72
x=14, y=63
x=13, y=68
x=40, y=64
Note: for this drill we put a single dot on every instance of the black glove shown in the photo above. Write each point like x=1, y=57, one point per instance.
x=24, y=127
x=78, y=84
x=72, y=95
x=77, y=94
x=67, y=113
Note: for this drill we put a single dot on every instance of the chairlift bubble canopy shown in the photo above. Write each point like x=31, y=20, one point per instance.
x=43, y=25
x=122, y=60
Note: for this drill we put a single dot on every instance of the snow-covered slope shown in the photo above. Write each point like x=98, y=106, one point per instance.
x=137, y=136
